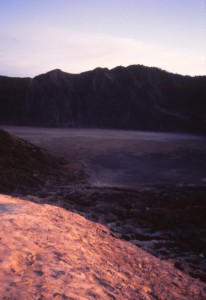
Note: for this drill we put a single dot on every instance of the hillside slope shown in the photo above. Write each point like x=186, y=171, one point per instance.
x=135, y=97
x=49, y=253
x=25, y=168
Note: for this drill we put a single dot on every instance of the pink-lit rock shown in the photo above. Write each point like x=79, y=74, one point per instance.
x=47, y=252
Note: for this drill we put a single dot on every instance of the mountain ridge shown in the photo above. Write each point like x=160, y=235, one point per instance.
x=134, y=97
x=104, y=68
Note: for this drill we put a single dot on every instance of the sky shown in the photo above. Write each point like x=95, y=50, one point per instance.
x=37, y=36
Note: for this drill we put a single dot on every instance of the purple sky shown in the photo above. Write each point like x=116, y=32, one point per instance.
x=78, y=35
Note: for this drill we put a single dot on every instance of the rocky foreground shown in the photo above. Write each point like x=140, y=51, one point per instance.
x=49, y=253
x=167, y=222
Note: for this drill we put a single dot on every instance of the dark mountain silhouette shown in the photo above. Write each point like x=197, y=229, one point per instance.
x=135, y=97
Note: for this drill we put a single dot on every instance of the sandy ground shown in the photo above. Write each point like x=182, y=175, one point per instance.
x=49, y=253
x=118, y=158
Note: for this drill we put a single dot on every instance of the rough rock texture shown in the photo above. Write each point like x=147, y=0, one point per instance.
x=135, y=97
x=163, y=210
x=169, y=223
x=25, y=167
x=49, y=253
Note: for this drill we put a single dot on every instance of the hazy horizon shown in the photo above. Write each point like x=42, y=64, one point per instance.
x=77, y=36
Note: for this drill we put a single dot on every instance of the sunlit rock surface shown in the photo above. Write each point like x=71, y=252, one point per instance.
x=49, y=253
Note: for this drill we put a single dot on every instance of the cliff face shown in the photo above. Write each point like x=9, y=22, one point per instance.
x=135, y=97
